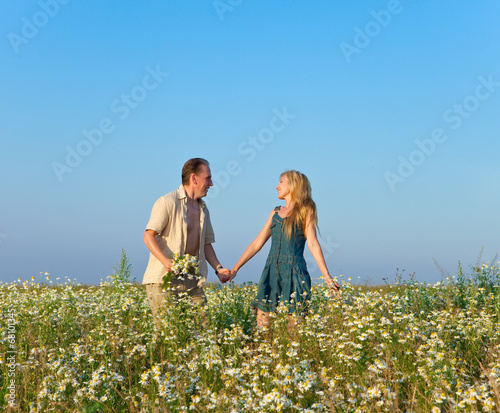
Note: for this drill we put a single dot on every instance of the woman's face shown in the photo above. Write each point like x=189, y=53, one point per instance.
x=283, y=187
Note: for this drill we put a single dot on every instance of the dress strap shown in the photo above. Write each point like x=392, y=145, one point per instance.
x=276, y=209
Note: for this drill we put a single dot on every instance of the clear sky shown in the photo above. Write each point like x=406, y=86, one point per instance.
x=391, y=108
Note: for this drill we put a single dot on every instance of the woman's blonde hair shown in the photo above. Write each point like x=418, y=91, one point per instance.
x=303, y=204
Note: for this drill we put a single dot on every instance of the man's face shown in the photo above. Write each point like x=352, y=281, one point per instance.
x=202, y=181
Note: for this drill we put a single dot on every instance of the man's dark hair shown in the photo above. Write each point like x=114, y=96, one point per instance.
x=192, y=166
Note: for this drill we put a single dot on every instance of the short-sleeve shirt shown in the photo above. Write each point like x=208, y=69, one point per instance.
x=168, y=219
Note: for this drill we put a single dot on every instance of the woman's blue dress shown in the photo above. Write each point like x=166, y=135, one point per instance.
x=285, y=278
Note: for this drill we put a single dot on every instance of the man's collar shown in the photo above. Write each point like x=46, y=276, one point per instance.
x=181, y=194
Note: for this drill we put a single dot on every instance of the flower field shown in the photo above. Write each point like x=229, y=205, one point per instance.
x=408, y=347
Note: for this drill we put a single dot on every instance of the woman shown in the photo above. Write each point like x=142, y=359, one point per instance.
x=285, y=278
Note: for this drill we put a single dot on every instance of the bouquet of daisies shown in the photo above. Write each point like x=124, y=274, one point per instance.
x=183, y=266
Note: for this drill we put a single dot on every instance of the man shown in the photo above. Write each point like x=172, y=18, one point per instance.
x=180, y=223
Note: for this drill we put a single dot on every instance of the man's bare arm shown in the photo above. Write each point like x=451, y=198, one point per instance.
x=154, y=248
x=223, y=273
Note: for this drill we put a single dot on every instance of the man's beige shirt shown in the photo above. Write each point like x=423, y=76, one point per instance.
x=168, y=219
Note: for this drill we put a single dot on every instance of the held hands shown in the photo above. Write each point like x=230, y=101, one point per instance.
x=224, y=275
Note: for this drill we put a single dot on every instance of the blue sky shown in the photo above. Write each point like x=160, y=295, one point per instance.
x=391, y=108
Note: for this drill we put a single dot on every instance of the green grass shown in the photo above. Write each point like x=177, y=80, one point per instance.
x=407, y=347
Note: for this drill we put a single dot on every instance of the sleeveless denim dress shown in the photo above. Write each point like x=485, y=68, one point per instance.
x=285, y=278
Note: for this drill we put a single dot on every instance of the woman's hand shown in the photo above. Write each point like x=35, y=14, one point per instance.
x=334, y=285
x=233, y=274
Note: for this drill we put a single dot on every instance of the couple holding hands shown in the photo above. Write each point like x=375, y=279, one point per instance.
x=180, y=223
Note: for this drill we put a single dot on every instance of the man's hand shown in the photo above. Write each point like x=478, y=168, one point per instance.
x=154, y=248
x=168, y=264
x=224, y=274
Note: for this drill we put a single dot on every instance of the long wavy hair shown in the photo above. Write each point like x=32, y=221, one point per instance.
x=303, y=204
